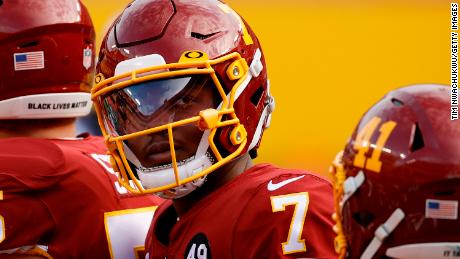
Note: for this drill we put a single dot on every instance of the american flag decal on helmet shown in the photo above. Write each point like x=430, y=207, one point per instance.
x=441, y=209
x=29, y=61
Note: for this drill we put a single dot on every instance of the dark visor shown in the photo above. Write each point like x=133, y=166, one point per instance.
x=157, y=102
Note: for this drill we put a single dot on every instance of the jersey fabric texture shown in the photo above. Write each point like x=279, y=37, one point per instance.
x=55, y=195
x=266, y=212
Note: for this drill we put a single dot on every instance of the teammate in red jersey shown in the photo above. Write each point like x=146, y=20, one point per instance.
x=397, y=182
x=59, y=197
x=183, y=92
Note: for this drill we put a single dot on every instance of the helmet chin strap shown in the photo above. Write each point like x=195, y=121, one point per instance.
x=181, y=191
x=382, y=232
x=351, y=185
x=152, y=177
x=157, y=177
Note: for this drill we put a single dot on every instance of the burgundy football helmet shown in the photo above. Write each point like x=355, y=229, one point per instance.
x=397, y=182
x=47, y=53
x=181, y=90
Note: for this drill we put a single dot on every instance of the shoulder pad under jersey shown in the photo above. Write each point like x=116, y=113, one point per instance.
x=28, y=164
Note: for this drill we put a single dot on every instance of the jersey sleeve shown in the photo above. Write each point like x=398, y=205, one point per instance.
x=28, y=164
x=288, y=221
x=27, y=168
x=25, y=224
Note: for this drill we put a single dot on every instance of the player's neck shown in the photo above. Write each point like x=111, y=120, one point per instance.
x=214, y=181
x=66, y=129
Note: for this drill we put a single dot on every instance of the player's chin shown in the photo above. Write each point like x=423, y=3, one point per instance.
x=157, y=159
x=182, y=154
x=164, y=158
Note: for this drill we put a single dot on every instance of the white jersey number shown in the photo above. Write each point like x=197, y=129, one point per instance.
x=104, y=161
x=294, y=243
x=201, y=252
x=126, y=231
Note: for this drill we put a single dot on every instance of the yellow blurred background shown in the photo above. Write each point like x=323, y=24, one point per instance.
x=329, y=61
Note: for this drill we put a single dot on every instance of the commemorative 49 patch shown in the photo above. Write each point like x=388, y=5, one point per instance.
x=29, y=60
x=198, y=248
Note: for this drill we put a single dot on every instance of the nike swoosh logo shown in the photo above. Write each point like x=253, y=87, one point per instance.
x=275, y=186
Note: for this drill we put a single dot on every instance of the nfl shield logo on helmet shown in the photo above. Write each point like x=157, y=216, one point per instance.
x=87, y=60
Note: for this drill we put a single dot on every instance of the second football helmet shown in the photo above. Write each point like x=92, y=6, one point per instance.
x=182, y=90
x=47, y=53
x=397, y=182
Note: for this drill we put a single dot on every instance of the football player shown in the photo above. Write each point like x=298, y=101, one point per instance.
x=59, y=197
x=397, y=182
x=183, y=92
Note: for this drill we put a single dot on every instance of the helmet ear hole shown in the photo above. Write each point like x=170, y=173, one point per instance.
x=257, y=96
x=253, y=153
x=363, y=218
x=417, y=139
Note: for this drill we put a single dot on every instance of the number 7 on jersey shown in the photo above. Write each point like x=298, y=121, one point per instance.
x=294, y=243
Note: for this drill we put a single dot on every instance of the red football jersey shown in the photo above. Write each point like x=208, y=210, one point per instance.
x=266, y=212
x=61, y=199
